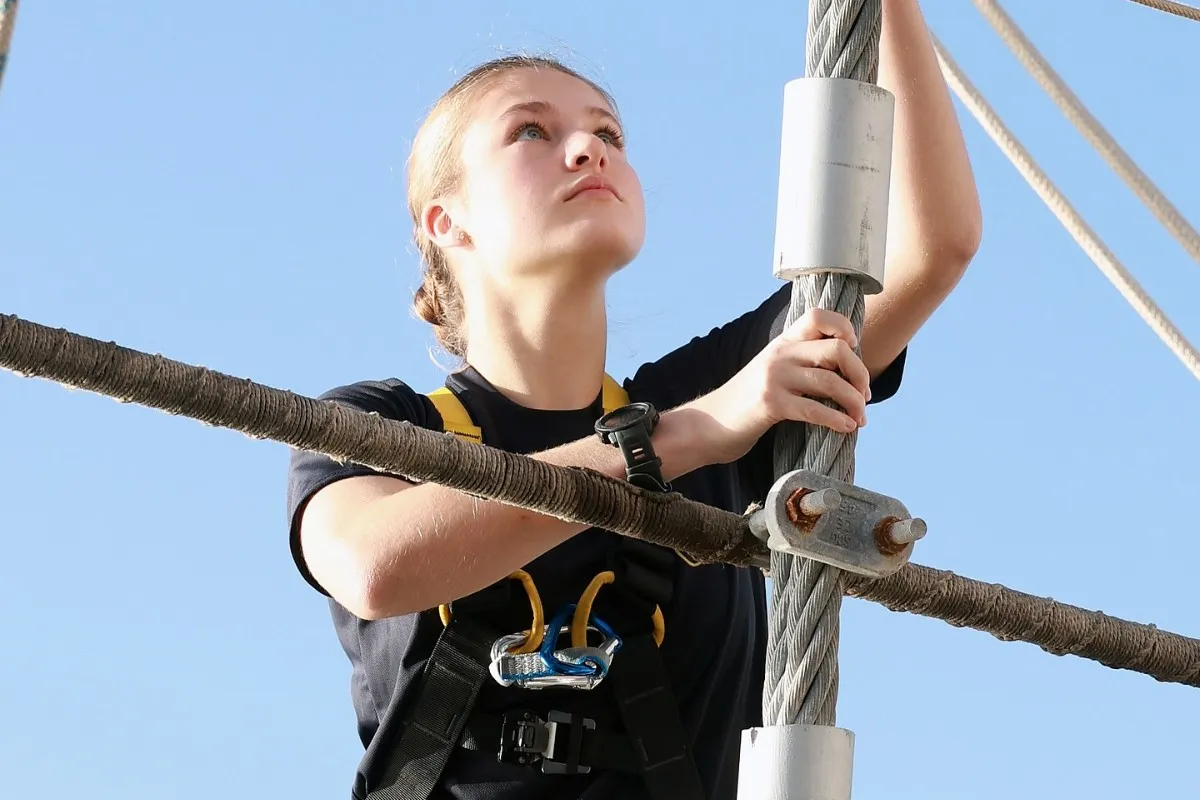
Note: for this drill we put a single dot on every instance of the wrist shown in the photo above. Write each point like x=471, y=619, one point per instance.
x=681, y=440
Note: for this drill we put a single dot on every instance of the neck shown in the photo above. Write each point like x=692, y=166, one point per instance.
x=542, y=346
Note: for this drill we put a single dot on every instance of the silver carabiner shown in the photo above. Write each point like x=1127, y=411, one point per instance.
x=534, y=670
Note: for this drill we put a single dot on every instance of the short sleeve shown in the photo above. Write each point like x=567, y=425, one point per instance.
x=707, y=362
x=310, y=472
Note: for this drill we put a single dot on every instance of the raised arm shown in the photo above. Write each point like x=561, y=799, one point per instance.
x=934, y=219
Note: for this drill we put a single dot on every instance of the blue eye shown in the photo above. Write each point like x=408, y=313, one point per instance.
x=612, y=136
x=529, y=127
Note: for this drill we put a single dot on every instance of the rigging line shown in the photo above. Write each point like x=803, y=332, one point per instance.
x=1178, y=9
x=1071, y=107
x=1109, y=265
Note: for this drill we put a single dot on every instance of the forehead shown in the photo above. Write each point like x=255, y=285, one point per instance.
x=537, y=88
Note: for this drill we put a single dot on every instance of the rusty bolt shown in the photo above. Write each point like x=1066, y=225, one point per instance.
x=892, y=535
x=805, y=506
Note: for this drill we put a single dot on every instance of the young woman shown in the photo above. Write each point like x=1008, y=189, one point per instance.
x=524, y=205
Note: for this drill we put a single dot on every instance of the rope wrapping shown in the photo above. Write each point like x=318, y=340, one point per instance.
x=707, y=534
x=1057, y=628
x=263, y=413
x=803, y=627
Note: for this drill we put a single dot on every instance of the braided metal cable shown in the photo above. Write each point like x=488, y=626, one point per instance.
x=802, y=637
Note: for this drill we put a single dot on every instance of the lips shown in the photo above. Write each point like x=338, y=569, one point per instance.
x=590, y=184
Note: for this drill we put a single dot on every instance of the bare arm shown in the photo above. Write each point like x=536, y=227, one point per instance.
x=383, y=547
x=934, y=219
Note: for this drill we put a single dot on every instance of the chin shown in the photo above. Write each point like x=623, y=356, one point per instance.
x=602, y=257
x=598, y=248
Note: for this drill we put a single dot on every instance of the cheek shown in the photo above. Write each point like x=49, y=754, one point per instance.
x=635, y=200
x=513, y=192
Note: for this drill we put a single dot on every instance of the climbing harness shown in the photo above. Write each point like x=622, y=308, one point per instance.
x=575, y=649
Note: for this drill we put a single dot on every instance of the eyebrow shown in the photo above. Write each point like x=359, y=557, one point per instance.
x=542, y=107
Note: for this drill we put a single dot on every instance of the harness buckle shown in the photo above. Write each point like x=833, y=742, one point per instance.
x=525, y=738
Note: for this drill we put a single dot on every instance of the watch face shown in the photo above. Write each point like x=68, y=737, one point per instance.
x=623, y=417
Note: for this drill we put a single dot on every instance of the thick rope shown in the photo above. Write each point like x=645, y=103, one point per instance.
x=587, y=497
x=8, y=21
x=1108, y=263
x=1074, y=110
x=802, y=637
x=1178, y=9
x=1057, y=628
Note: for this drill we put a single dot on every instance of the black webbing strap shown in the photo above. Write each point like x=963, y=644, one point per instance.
x=640, y=683
x=435, y=719
x=650, y=715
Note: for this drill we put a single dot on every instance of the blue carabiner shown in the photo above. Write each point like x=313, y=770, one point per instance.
x=589, y=667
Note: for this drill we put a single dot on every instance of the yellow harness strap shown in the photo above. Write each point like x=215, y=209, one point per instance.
x=457, y=421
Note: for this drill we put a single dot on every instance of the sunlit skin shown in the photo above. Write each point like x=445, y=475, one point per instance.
x=532, y=262
x=550, y=207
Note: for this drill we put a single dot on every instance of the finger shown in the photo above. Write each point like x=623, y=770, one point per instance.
x=826, y=384
x=851, y=367
x=833, y=354
x=813, y=412
x=820, y=323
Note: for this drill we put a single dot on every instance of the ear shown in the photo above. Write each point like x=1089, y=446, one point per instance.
x=438, y=225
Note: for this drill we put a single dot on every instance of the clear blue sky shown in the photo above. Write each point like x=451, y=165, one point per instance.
x=223, y=183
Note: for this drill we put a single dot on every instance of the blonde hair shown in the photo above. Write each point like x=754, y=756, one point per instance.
x=434, y=171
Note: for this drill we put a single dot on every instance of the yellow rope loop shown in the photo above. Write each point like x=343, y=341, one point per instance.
x=583, y=612
x=533, y=636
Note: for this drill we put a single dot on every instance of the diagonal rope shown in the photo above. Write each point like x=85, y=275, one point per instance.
x=806, y=596
x=8, y=21
x=1178, y=9
x=1108, y=263
x=575, y=495
x=1071, y=107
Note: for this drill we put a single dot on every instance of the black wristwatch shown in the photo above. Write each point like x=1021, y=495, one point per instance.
x=629, y=428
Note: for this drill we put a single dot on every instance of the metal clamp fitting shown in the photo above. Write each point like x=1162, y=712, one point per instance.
x=814, y=516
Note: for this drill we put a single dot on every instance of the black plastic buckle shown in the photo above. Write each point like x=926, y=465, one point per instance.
x=525, y=738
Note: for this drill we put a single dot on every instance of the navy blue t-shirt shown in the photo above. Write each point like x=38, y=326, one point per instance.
x=715, y=642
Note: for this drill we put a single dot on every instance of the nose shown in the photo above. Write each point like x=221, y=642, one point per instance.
x=586, y=149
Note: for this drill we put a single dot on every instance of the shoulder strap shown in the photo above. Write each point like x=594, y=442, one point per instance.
x=457, y=420
x=614, y=395
x=456, y=671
